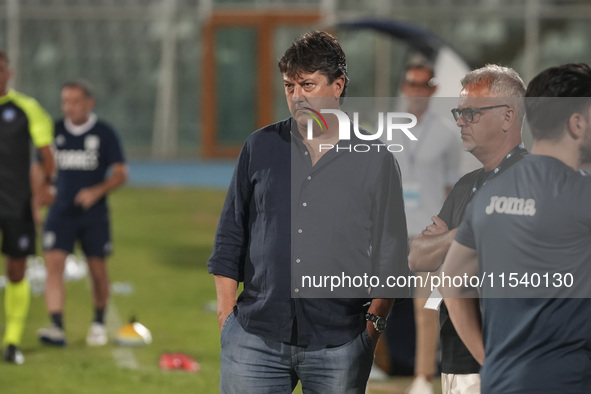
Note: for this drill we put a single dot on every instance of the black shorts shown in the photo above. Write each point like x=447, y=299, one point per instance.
x=62, y=232
x=18, y=237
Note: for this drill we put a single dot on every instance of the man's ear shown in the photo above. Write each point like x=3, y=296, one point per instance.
x=576, y=126
x=339, y=85
x=509, y=119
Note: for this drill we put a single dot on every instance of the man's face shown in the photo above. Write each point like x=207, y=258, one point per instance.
x=416, y=83
x=313, y=91
x=415, y=86
x=485, y=132
x=76, y=105
x=5, y=76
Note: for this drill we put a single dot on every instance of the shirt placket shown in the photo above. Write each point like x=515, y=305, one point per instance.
x=301, y=205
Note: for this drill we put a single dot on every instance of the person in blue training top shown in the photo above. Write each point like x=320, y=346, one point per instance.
x=22, y=121
x=530, y=223
x=90, y=165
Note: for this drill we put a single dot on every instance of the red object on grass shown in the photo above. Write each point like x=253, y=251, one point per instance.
x=178, y=361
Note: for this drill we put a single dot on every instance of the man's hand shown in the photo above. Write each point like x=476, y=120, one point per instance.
x=42, y=191
x=438, y=227
x=379, y=307
x=226, y=290
x=428, y=250
x=374, y=334
x=87, y=197
x=222, y=316
x=45, y=195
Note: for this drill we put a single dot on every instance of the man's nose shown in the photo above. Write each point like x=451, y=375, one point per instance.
x=461, y=121
x=299, y=100
x=298, y=92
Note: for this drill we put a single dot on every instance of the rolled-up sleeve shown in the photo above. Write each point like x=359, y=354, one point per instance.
x=232, y=236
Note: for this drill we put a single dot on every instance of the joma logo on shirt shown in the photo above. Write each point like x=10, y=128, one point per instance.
x=511, y=206
x=77, y=160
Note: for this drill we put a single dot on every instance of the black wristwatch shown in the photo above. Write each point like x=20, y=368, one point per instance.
x=379, y=323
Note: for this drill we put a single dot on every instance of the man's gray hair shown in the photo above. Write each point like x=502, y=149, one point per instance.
x=501, y=82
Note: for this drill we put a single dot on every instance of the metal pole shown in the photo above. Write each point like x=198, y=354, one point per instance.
x=383, y=57
x=165, y=134
x=532, y=39
x=329, y=12
x=13, y=37
x=204, y=10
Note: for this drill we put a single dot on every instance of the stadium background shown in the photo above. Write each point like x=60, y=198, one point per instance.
x=184, y=82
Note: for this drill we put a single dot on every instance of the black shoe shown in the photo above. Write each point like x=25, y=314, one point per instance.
x=13, y=355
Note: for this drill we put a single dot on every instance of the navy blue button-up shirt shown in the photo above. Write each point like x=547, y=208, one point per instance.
x=347, y=207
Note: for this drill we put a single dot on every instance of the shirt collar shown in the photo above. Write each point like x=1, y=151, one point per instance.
x=80, y=129
x=7, y=97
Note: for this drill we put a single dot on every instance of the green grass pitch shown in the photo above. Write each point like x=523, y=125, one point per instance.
x=162, y=239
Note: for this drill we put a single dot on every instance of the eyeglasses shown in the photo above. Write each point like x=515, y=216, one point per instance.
x=468, y=113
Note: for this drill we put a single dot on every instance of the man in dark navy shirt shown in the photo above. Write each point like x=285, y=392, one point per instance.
x=295, y=207
x=532, y=226
x=86, y=150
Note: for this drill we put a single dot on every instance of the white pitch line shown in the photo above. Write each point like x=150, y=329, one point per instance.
x=124, y=357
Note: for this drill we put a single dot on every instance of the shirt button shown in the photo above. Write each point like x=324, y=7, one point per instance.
x=309, y=177
x=306, y=153
x=305, y=204
x=299, y=230
x=297, y=290
x=298, y=261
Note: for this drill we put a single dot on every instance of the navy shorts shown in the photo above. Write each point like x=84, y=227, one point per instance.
x=18, y=237
x=62, y=232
